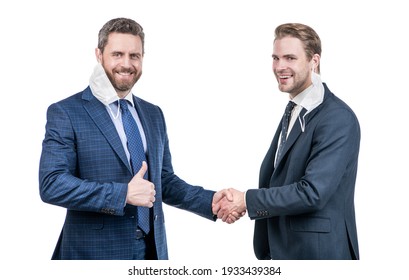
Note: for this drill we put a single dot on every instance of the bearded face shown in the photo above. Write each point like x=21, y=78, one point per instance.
x=122, y=61
x=123, y=79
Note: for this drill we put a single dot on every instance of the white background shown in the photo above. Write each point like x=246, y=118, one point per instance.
x=208, y=66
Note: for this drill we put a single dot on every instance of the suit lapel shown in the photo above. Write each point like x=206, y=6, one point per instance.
x=146, y=120
x=101, y=118
x=267, y=166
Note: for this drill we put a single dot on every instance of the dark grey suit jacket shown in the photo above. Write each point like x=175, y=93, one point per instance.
x=304, y=207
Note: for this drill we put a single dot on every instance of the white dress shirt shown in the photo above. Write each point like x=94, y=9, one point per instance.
x=115, y=113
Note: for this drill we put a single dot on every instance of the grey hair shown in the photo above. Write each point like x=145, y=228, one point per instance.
x=120, y=25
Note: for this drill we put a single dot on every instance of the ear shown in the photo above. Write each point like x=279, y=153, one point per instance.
x=98, y=55
x=315, y=61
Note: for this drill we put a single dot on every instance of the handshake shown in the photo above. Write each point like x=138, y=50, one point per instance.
x=229, y=205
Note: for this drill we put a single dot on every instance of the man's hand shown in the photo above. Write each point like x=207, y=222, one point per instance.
x=228, y=205
x=141, y=192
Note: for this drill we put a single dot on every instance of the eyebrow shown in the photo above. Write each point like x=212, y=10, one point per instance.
x=122, y=53
x=285, y=56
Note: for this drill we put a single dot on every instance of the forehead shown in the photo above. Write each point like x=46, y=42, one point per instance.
x=288, y=45
x=124, y=43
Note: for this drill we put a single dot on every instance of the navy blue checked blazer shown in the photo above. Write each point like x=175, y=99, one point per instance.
x=304, y=208
x=84, y=169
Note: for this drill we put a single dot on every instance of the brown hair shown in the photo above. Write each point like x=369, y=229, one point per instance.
x=307, y=35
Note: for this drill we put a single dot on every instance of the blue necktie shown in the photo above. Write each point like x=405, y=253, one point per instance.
x=284, y=127
x=137, y=153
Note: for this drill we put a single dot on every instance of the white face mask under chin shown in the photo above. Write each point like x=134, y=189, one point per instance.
x=314, y=98
x=102, y=88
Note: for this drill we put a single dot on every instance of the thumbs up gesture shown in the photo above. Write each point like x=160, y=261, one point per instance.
x=141, y=192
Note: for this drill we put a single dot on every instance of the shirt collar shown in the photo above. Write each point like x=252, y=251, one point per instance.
x=129, y=98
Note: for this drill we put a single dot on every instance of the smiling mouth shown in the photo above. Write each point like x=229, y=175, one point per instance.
x=284, y=79
x=284, y=76
x=125, y=73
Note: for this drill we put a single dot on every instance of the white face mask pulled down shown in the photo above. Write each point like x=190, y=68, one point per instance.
x=102, y=88
x=318, y=89
x=313, y=99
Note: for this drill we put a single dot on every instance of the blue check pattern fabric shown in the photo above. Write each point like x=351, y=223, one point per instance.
x=137, y=155
x=284, y=127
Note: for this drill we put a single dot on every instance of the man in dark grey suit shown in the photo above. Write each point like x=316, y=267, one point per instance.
x=113, y=187
x=304, y=207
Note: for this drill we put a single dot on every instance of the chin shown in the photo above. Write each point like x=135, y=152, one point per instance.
x=284, y=88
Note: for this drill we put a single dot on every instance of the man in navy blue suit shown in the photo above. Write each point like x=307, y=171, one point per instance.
x=304, y=207
x=87, y=168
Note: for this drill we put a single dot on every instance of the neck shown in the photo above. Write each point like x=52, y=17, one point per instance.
x=122, y=94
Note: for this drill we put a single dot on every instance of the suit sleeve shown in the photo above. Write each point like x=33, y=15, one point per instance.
x=333, y=151
x=178, y=193
x=59, y=173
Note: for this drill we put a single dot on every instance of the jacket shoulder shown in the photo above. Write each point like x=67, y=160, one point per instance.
x=75, y=98
x=334, y=104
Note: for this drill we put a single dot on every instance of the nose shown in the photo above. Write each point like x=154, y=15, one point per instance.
x=126, y=61
x=279, y=64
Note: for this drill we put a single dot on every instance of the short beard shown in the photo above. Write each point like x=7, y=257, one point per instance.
x=120, y=86
x=124, y=87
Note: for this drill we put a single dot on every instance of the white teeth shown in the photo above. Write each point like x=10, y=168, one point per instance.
x=284, y=77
